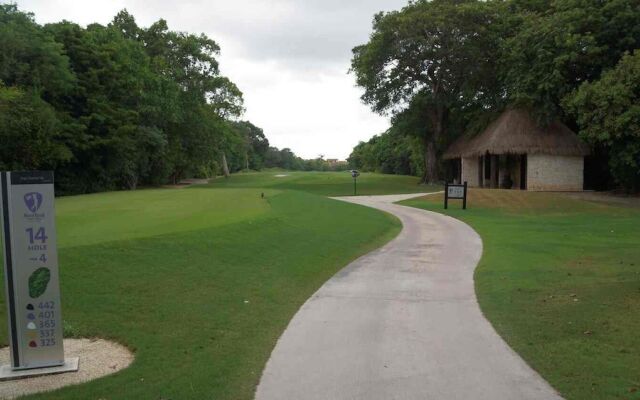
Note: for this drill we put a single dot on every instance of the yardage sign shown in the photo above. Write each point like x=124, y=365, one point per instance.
x=31, y=269
x=452, y=191
x=355, y=174
x=455, y=192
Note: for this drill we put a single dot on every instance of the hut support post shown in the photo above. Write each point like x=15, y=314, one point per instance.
x=480, y=171
x=494, y=171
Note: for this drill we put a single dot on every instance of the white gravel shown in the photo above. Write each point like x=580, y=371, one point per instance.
x=98, y=357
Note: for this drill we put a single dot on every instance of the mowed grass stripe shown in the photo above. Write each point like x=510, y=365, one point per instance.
x=560, y=281
x=203, y=308
x=327, y=183
x=103, y=217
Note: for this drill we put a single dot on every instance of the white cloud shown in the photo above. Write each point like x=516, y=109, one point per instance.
x=290, y=58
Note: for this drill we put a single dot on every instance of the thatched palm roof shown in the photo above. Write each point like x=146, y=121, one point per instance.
x=516, y=132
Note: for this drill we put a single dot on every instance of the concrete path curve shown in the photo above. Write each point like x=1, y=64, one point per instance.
x=401, y=322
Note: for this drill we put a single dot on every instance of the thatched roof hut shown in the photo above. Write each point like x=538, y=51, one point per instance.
x=515, y=152
x=516, y=132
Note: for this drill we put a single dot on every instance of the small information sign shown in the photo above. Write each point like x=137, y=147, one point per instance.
x=455, y=191
x=355, y=174
x=31, y=269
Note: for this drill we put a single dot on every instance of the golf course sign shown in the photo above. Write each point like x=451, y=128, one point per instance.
x=355, y=174
x=455, y=191
x=31, y=269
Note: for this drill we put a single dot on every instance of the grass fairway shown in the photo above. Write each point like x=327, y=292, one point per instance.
x=199, y=282
x=326, y=183
x=560, y=281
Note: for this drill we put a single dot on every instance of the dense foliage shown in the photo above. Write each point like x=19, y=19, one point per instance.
x=116, y=106
x=388, y=153
x=608, y=112
x=286, y=159
x=550, y=53
x=443, y=68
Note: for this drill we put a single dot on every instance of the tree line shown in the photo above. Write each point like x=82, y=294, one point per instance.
x=118, y=106
x=443, y=68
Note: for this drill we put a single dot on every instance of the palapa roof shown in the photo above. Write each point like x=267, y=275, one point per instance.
x=516, y=132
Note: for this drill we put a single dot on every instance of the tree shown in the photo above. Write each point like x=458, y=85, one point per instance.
x=608, y=113
x=200, y=99
x=118, y=106
x=289, y=160
x=30, y=58
x=440, y=50
x=112, y=107
x=273, y=158
x=115, y=141
x=556, y=48
x=390, y=153
x=34, y=75
x=254, y=144
x=29, y=132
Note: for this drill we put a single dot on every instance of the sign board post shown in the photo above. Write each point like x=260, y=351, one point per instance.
x=355, y=174
x=31, y=273
x=452, y=191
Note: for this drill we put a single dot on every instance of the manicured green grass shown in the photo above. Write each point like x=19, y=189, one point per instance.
x=102, y=217
x=199, y=282
x=326, y=183
x=560, y=281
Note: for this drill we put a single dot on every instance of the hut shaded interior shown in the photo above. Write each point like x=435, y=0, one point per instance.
x=514, y=152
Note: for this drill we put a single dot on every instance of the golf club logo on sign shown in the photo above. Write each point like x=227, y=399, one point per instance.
x=33, y=201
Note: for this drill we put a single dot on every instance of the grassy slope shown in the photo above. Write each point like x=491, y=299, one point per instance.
x=199, y=282
x=97, y=218
x=560, y=281
x=326, y=183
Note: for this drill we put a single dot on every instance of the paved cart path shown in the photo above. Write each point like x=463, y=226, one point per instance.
x=401, y=322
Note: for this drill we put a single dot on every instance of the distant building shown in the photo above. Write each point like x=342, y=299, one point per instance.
x=337, y=165
x=513, y=152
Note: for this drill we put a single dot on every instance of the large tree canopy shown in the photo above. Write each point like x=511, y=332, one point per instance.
x=113, y=106
x=442, y=51
x=29, y=57
x=560, y=46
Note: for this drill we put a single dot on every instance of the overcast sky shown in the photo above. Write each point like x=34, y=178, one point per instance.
x=290, y=58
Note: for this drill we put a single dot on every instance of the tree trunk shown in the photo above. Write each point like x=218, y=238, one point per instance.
x=437, y=117
x=225, y=166
x=132, y=182
x=430, y=162
x=174, y=177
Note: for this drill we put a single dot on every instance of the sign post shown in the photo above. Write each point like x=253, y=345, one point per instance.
x=452, y=191
x=31, y=275
x=355, y=174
